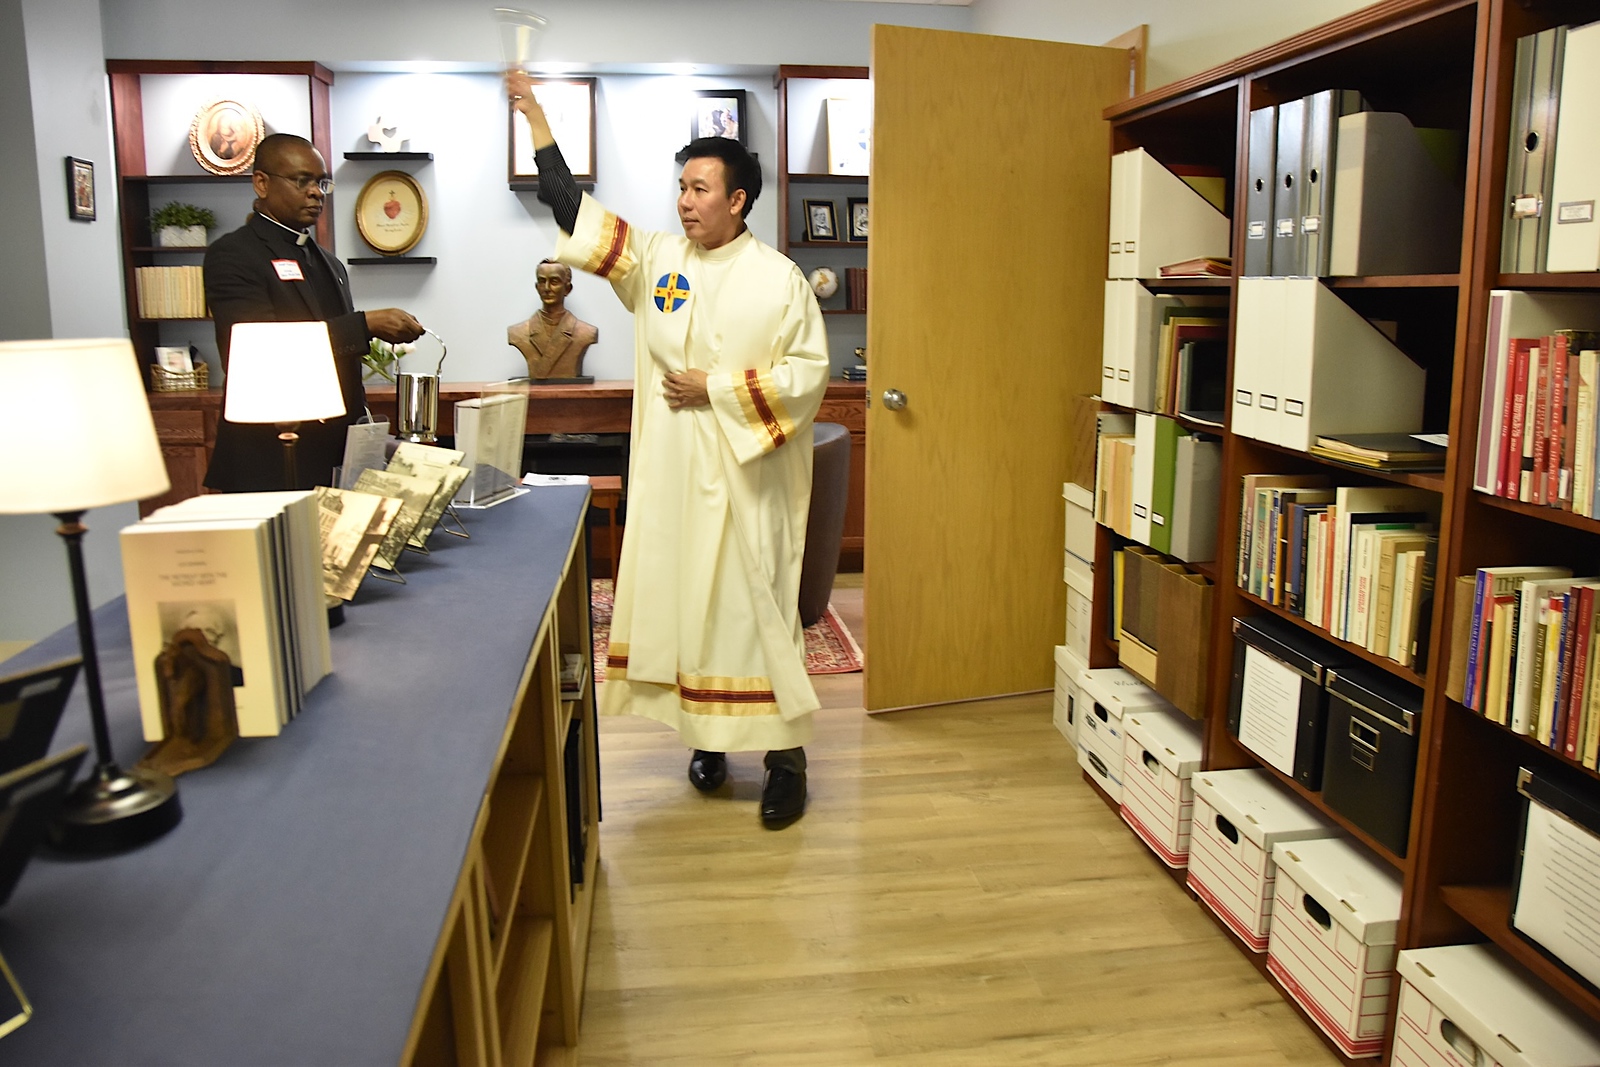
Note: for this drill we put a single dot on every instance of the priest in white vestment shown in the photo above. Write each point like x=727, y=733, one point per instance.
x=731, y=363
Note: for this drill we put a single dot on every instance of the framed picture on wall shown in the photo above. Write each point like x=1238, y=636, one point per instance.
x=80, y=189
x=856, y=228
x=820, y=222
x=569, y=105
x=719, y=113
x=224, y=135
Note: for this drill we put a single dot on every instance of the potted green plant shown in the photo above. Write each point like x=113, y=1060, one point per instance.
x=179, y=225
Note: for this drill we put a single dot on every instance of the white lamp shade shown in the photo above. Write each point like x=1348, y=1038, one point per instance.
x=80, y=426
x=281, y=372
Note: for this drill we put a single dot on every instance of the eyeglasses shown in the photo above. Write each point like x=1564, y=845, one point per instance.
x=304, y=182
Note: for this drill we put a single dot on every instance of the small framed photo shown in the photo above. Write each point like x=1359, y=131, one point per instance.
x=80, y=189
x=569, y=105
x=391, y=213
x=820, y=222
x=719, y=113
x=224, y=134
x=857, y=229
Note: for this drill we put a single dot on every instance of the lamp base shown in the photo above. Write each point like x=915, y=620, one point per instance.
x=114, y=809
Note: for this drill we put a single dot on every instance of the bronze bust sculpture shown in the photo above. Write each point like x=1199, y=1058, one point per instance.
x=554, y=340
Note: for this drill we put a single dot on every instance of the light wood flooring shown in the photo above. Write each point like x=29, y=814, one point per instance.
x=955, y=895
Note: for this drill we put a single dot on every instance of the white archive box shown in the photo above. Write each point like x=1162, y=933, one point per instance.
x=1238, y=817
x=1471, y=1005
x=1332, y=945
x=1108, y=694
x=1079, y=577
x=1160, y=753
x=1080, y=521
x=1067, y=697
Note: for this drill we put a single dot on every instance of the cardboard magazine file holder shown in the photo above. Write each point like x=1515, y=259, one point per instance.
x=1238, y=817
x=1277, y=706
x=1332, y=944
x=1108, y=694
x=1139, y=636
x=1066, y=712
x=1471, y=1004
x=1370, y=761
x=1183, y=671
x=1553, y=903
x=1160, y=753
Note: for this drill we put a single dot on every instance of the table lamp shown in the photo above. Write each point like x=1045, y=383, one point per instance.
x=82, y=417
x=282, y=373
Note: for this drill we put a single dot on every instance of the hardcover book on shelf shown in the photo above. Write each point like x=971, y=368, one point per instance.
x=1201, y=267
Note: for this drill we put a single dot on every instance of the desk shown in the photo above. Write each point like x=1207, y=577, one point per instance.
x=322, y=881
x=186, y=423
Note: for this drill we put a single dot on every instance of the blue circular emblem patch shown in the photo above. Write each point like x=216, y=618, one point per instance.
x=672, y=292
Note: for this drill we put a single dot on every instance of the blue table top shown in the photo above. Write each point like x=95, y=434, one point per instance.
x=291, y=917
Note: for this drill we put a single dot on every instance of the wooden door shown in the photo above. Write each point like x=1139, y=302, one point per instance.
x=990, y=194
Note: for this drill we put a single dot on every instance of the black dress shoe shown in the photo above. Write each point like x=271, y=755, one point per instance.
x=708, y=770
x=783, y=798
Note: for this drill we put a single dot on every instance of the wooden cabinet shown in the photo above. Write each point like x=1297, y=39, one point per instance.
x=1448, y=64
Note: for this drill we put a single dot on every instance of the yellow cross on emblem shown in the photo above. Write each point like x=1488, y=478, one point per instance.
x=672, y=291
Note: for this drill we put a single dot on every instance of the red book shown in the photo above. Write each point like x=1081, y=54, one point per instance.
x=1517, y=405
x=1557, y=347
x=1580, y=662
x=1539, y=397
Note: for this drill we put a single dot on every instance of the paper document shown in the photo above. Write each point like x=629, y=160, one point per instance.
x=1269, y=717
x=1555, y=899
x=555, y=479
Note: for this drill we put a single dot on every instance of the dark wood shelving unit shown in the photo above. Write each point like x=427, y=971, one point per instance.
x=1535, y=747
x=825, y=179
x=844, y=311
x=186, y=179
x=829, y=244
x=194, y=249
x=1444, y=63
x=397, y=261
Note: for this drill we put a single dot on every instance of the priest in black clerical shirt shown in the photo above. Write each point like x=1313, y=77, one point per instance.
x=272, y=270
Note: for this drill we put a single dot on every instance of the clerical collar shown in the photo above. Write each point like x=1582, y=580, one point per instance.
x=729, y=250
x=300, y=236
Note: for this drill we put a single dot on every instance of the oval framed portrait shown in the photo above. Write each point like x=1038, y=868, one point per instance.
x=391, y=213
x=224, y=136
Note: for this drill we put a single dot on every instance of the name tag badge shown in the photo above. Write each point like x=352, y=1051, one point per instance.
x=288, y=270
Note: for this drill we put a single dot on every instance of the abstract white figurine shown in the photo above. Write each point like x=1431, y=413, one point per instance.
x=386, y=135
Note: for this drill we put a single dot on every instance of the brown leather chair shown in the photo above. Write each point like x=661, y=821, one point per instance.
x=830, y=492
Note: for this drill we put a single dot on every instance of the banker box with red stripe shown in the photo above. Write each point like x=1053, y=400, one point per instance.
x=1160, y=753
x=1472, y=1005
x=1238, y=817
x=1332, y=944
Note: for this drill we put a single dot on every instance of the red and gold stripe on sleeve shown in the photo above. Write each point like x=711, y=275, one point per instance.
x=763, y=411
x=611, y=258
x=714, y=695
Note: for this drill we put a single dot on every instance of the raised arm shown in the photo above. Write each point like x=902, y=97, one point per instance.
x=556, y=186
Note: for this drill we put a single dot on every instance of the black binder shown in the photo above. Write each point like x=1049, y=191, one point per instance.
x=1323, y=111
x=1370, y=762
x=1307, y=657
x=1258, y=196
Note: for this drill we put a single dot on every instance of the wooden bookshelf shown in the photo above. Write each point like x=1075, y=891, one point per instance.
x=1446, y=63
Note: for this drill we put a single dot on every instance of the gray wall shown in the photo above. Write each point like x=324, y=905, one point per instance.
x=65, y=280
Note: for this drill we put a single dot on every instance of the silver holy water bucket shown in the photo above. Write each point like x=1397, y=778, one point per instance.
x=417, y=400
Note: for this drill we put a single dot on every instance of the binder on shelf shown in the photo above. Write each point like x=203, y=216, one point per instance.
x=1574, y=229
x=1370, y=760
x=1132, y=330
x=1553, y=905
x=1530, y=154
x=1322, y=114
x=1158, y=218
x=1307, y=364
x=1261, y=182
x=1397, y=198
x=1286, y=194
x=1196, y=481
x=1163, y=481
x=1514, y=313
x=1144, y=468
x=1277, y=705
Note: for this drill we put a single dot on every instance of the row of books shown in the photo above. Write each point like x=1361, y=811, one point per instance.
x=171, y=292
x=1537, y=419
x=1163, y=352
x=1553, y=173
x=855, y=288
x=237, y=575
x=1336, y=189
x=1156, y=483
x=1523, y=654
x=1356, y=561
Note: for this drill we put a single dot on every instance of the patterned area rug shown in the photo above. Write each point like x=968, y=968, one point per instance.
x=830, y=648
